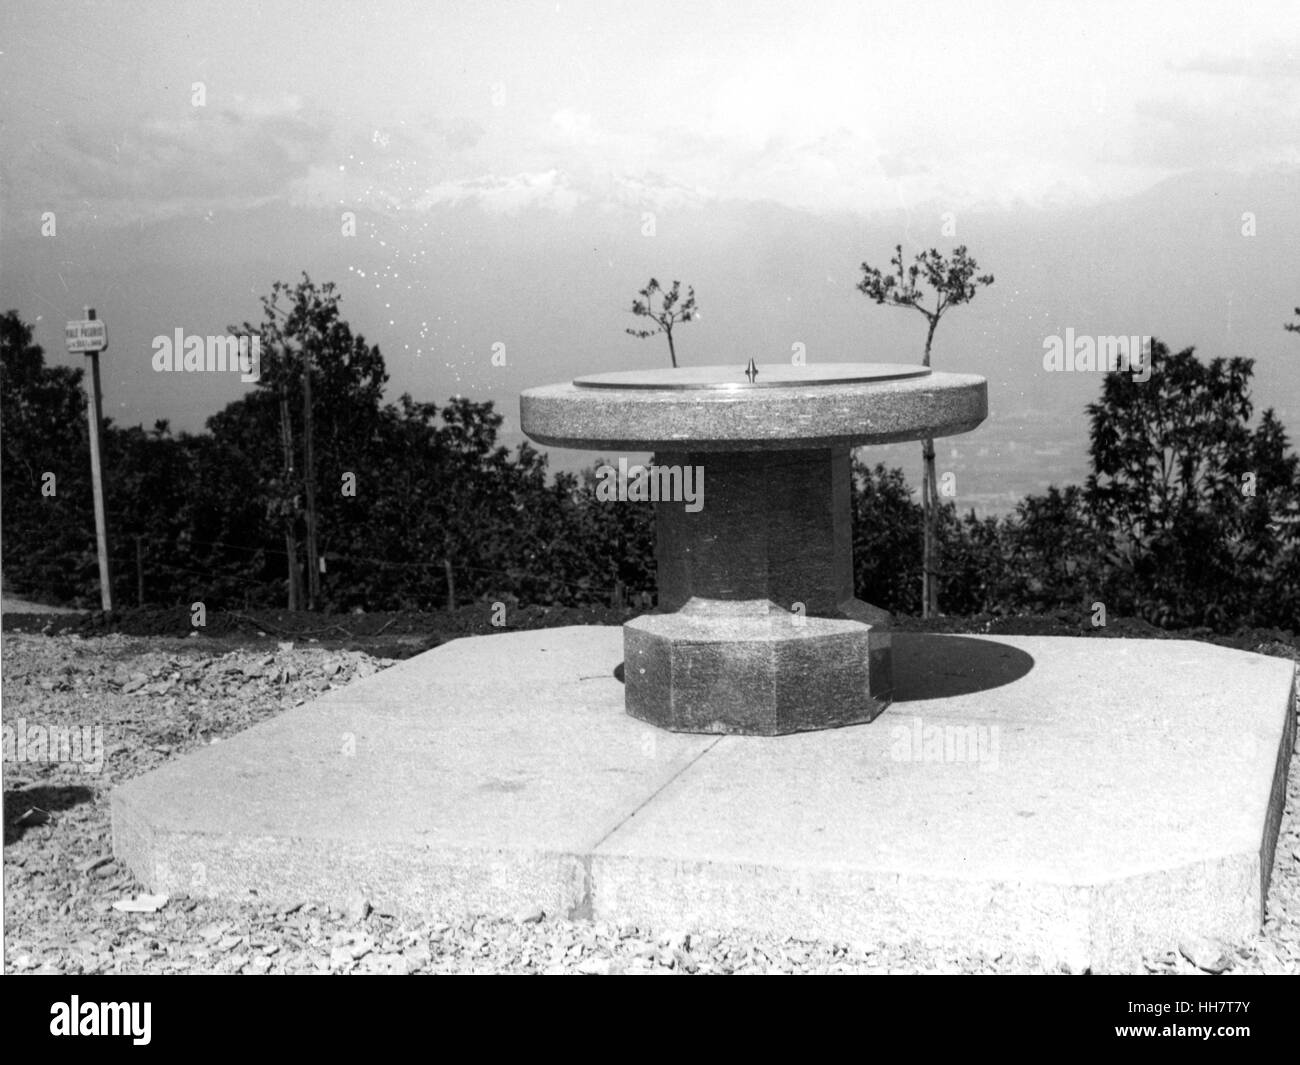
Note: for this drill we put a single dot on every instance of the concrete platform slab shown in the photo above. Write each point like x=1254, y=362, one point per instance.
x=477, y=777
x=1084, y=800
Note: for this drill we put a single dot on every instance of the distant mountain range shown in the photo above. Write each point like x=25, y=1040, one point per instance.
x=439, y=289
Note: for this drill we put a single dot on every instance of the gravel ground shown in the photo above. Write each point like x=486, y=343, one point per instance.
x=70, y=908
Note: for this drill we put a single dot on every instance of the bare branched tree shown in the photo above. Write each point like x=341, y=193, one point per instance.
x=951, y=282
x=667, y=315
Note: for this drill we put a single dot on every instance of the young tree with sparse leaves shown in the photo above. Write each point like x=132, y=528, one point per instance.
x=951, y=282
x=667, y=315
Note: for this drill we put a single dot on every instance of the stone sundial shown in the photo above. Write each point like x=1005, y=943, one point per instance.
x=532, y=792
x=757, y=631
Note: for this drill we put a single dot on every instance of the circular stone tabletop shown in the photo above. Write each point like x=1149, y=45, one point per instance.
x=781, y=375
x=716, y=408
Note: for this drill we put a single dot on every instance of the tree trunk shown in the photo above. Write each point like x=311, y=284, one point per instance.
x=451, y=584
x=291, y=550
x=290, y=544
x=929, y=512
x=139, y=573
x=672, y=352
x=309, y=479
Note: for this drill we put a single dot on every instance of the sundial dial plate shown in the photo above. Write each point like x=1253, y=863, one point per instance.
x=733, y=377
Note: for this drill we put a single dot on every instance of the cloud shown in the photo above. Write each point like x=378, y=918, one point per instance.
x=1250, y=120
x=457, y=135
x=1279, y=60
x=573, y=126
x=505, y=195
x=568, y=159
x=1260, y=130
x=753, y=142
x=240, y=154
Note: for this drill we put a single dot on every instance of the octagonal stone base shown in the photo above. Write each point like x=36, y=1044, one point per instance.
x=753, y=668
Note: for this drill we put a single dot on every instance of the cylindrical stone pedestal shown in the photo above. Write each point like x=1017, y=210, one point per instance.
x=758, y=630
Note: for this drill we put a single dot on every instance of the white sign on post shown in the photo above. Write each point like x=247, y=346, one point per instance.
x=88, y=334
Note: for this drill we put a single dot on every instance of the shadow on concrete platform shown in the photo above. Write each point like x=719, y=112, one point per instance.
x=936, y=666
x=933, y=666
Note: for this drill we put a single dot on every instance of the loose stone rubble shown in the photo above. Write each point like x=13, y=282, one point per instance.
x=70, y=908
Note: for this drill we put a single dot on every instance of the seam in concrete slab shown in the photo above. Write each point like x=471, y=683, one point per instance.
x=585, y=908
x=654, y=794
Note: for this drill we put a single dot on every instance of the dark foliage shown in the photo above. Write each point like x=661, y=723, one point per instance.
x=1190, y=518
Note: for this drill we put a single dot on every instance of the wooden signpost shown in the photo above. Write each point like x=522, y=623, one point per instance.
x=90, y=336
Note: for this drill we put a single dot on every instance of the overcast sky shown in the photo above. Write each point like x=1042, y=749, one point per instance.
x=484, y=146
x=833, y=105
